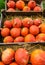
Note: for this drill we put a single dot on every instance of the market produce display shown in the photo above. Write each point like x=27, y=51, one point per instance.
x=21, y=5
x=20, y=25
x=23, y=30
x=22, y=57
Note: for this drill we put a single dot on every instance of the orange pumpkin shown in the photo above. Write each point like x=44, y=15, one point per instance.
x=29, y=38
x=40, y=37
x=32, y=4
x=17, y=23
x=37, y=9
x=8, y=55
x=8, y=39
x=11, y=10
x=34, y=29
x=7, y=24
x=19, y=39
x=13, y=63
x=21, y=56
x=37, y=22
x=20, y=4
x=38, y=57
x=11, y=4
x=42, y=28
x=27, y=22
x=5, y=32
x=24, y=31
x=26, y=9
x=15, y=32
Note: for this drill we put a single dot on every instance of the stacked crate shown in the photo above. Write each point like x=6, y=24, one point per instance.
x=10, y=14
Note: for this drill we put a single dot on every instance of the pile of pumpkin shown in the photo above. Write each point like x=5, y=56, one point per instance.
x=22, y=57
x=21, y=5
x=25, y=30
